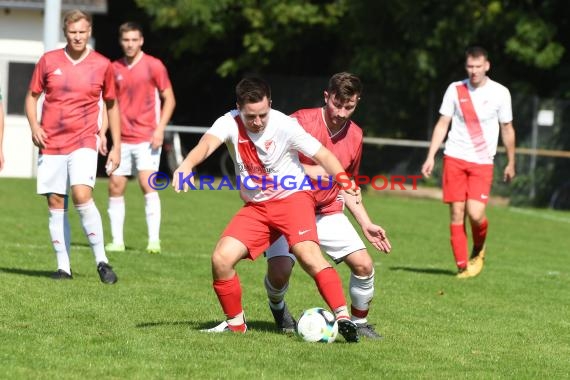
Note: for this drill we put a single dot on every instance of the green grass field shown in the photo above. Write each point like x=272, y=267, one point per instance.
x=511, y=322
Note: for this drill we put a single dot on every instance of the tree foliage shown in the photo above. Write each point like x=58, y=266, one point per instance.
x=250, y=30
x=409, y=48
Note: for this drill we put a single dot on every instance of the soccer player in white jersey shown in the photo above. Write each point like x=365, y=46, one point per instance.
x=479, y=109
x=264, y=144
x=333, y=127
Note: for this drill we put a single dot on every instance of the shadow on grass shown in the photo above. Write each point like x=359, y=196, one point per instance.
x=27, y=272
x=425, y=270
x=253, y=325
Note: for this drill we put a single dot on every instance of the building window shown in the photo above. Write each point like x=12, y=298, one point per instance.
x=19, y=75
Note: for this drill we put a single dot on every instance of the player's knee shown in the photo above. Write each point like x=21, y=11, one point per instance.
x=279, y=270
x=360, y=263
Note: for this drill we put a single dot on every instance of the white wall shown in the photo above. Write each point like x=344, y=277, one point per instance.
x=21, y=24
x=21, y=40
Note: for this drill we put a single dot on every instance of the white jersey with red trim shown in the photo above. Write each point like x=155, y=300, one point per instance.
x=492, y=105
x=267, y=163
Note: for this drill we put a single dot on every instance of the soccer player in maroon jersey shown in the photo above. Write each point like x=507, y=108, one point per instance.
x=478, y=109
x=333, y=127
x=75, y=81
x=264, y=143
x=146, y=102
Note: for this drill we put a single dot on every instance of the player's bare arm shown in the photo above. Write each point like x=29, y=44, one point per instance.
x=31, y=108
x=114, y=156
x=103, y=132
x=439, y=133
x=168, y=104
x=332, y=166
x=508, y=137
x=205, y=147
x=316, y=172
x=375, y=234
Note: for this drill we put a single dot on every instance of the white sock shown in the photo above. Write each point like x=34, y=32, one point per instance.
x=93, y=228
x=237, y=320
x=60, y=234
x=152, y=211
x=117, y=218
x=276, y=296
x=361, y=290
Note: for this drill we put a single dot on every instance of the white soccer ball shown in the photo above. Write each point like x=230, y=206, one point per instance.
x=317, y=325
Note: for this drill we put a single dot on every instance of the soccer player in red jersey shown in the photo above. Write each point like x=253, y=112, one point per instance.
x=478, y=109
x=333, y=127
x=74, y=80
x=146, y=102
x=264, y=143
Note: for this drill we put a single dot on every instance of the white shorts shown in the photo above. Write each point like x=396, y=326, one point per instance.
x=337, y=238
x=141, y=155
x=57, y=172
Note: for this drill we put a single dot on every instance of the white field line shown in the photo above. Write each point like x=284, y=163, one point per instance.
x=541, y=215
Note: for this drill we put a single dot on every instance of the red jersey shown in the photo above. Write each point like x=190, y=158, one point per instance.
x=137, y=91
x=73, y=90
x=346, y=145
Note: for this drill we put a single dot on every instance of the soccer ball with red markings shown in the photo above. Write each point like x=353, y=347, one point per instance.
x=317, y=325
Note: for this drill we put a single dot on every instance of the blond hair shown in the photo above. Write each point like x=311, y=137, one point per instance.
x=75, y=15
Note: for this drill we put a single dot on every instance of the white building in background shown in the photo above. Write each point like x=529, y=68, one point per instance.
x=21, y=45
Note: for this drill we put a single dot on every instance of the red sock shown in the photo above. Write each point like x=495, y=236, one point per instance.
x=229, y=295
x=459, y=244
x=330, y=287
x=479, y=233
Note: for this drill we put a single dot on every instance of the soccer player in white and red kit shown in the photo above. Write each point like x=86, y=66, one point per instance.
x=146, y=104
x=75, y=81
x=478, y=109
x=264, y=144
x=333, y=127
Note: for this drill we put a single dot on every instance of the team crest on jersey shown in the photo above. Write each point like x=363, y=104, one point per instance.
x=269, y=146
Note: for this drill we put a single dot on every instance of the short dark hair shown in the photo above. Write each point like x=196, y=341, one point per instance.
x=130, y=26
x=476, y=51
x=252, y=90
x=344, y=86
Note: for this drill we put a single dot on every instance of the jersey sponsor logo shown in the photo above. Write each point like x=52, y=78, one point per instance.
x=484, y=196
x=303, y=232
x=463, y=100
x=58, y=71
x=119, y=77
x=240, y=141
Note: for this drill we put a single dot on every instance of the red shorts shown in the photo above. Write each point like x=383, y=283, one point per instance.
x=464, y=180
x=258, y=225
